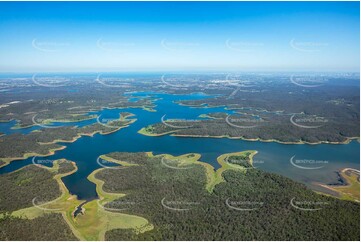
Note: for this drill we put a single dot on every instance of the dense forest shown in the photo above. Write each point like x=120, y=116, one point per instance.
x=245, y=204
x=48, y=227
x=59, y=103
x=269, y=105
x=266, y=126
x=21, y=189
x=250, y=205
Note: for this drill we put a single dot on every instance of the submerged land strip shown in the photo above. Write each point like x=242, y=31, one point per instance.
x=350, y=187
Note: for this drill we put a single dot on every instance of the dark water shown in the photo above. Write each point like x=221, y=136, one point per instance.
x=272, y=157
x=79, y=209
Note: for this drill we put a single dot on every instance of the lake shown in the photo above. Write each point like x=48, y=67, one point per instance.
x=320, y=161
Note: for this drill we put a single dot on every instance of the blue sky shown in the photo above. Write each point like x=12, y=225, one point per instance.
x=193, y=36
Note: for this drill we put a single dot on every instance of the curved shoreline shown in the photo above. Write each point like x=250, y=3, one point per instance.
x=142, y=131
x=121, y=220
x=95, y=222
x=349, y=189
x=18, y=126
x=214, y=176
x=174, y=133
x=8, y=160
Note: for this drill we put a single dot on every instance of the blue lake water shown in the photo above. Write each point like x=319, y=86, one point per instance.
x=271, y=157
x=8, y=128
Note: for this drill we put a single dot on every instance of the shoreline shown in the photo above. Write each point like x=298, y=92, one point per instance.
x=346, y=190
x=173, y=133
x=142, y=131
x=106, y=197
x=18, y=126
x=8, y=160
x=213, y=175
x=347, y=141
x=100, y=219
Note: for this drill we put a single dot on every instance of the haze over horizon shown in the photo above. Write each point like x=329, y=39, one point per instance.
x=183, y=36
